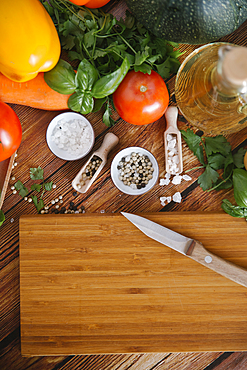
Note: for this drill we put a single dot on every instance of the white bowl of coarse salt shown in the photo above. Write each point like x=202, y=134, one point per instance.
x=70, y=136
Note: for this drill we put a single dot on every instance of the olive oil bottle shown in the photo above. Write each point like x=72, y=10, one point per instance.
x=211, y=88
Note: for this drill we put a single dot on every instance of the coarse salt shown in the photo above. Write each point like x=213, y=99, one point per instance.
x=74, y=136
x=177, y=197
x=164, y=182
x=177, y=180
x=187, y=178
x=172, y=153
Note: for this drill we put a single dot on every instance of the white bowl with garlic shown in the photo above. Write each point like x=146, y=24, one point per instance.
x=70, y=136
x=134, y=171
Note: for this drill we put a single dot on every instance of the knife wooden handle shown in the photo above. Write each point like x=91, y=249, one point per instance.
x=233, y=272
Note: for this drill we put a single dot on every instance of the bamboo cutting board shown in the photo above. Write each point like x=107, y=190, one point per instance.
x=95, y=284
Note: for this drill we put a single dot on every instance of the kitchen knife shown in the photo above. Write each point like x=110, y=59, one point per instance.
x=189, y=247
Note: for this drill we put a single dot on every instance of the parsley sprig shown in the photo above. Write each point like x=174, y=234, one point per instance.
x=35, y=174
x=107, y=48
x=214, y=154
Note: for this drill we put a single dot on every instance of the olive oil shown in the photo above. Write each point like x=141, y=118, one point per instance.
x=211, y=88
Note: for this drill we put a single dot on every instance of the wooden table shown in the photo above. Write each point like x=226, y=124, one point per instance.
x=102, y=197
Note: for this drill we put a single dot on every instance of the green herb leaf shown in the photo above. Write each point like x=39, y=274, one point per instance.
x=61, y=78
x=39, y=205
x=23, y=191
x=107, y=119
x=98, y=103
x=217, y=144
x=238, y=158
x=36, y=187
x=208, y=177
x=193, y=141
x=86, y=75
x=164, y=68
x=141, y=56
x=2, y=217
x=48, y=185
x=108, y=84
x=37, y=173
x=81, y=102
x=216, y=161
x=144, y=68
x=234, y=211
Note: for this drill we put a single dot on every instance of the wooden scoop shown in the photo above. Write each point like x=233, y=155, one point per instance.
x=82, y=182
x=172, y=135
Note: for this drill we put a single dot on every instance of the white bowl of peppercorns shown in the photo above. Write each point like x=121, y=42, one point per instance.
x=134, y=170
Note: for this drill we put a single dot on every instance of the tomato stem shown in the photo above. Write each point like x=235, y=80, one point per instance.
x=143, y=88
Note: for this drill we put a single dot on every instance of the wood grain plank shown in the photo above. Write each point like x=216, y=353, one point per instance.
x=86, y=290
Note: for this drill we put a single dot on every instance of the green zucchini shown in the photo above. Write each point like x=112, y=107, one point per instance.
x=190, y=21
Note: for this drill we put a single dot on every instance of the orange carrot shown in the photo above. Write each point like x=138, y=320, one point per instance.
x=34, y=93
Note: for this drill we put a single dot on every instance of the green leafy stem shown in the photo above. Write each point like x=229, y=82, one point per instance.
x=214, y=153
x=35, y=174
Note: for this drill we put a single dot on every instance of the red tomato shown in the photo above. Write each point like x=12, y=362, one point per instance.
x=90, y=3
x=96, y=3
x=141, y=98
x=10, y=131
x=79, y=2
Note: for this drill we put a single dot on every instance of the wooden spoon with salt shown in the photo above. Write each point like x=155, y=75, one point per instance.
x=171, y=116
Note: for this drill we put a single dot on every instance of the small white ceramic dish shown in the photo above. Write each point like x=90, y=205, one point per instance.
x=115, y=172
x=62, y=153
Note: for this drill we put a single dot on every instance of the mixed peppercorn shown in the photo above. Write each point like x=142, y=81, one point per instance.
x=135, y=170
x=90, y=170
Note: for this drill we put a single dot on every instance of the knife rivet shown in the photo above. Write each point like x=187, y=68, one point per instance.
x=208, y=259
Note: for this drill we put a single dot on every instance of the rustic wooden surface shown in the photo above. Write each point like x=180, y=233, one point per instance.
x=102, y=197
x=112, y=289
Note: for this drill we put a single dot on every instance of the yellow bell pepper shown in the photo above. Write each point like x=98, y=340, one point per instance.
x=29, y=42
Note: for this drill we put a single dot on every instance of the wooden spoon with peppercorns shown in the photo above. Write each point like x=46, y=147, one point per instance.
x=94, y=165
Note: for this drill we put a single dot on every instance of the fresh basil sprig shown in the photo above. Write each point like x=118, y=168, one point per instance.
x=84, y=85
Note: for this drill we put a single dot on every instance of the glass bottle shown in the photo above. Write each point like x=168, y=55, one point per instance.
x=211, y=88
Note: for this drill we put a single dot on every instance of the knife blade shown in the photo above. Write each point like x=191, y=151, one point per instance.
x=188, y=247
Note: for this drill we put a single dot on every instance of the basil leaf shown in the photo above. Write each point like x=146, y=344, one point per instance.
x=81, y=102
x=2, y=217
x=61, y=78
x=108, y=84
x=86, y=75
x=234, y=211
x=98, y=103
x=107, y=119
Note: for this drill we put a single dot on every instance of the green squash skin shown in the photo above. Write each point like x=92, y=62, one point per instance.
x=189, y=21
x=240, y=186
